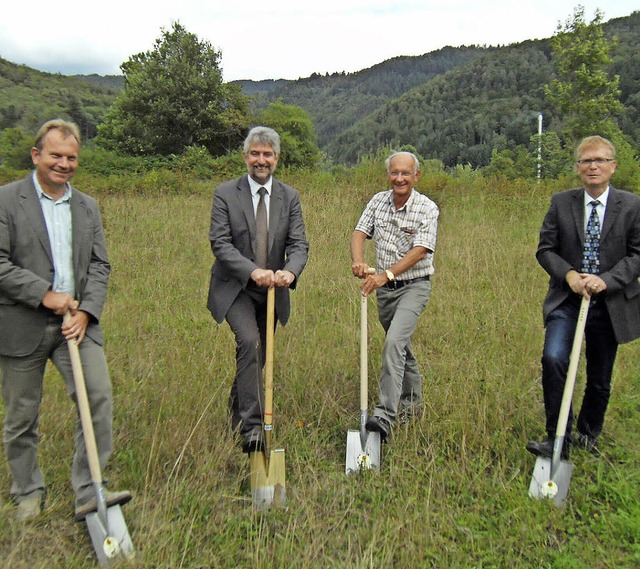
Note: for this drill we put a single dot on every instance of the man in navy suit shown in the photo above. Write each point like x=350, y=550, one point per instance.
x=609, y=277
x=53, y=260
x=241, y=276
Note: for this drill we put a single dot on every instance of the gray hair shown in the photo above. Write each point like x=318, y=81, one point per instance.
x=67, y=128
x=416, y=161
x=263, y=135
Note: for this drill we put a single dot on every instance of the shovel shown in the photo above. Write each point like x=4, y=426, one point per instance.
x=551, y=477
x=267, y=467
x=107, y=528
x=363, y=448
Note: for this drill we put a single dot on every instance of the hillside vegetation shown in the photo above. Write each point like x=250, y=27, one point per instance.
x=490, y=101
x=337, y=101
x=29, y=97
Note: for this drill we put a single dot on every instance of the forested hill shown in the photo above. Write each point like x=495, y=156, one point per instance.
x=459, y=117
x=29, y=97
x=337, y=101
x=456, y=104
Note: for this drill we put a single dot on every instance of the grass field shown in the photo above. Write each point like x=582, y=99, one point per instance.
x=452, y=491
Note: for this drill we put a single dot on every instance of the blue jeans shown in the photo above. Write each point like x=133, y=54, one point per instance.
x=600, y=353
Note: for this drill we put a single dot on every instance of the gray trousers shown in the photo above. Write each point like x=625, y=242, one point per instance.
x=400, y=380
x=22, y=384
x=247, y=318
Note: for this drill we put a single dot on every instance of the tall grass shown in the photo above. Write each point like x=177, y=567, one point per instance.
x=452, y=491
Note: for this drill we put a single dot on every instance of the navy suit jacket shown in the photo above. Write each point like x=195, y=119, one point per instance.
x=560, y=250
x=233, y=239
x=26, y=265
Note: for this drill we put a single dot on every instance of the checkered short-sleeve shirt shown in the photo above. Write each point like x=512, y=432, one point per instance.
x=397, y=231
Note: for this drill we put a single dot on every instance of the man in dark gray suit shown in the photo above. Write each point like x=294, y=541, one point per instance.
x=242, y=274
x=53, y=260
x=590, y=246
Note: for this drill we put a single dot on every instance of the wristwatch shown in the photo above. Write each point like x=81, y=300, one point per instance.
x=390, y=275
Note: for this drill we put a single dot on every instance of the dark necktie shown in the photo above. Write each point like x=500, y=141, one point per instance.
x=262, y=233
x=591, y=252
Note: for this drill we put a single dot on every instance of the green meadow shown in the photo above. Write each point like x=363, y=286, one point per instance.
x=453, y=487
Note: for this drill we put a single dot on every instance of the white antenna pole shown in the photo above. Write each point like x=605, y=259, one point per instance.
x=539, y=147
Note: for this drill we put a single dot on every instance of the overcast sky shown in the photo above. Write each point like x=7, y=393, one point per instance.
x=285, y=39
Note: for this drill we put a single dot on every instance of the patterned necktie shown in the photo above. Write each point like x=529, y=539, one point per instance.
x=262, y=233
x=591, y=252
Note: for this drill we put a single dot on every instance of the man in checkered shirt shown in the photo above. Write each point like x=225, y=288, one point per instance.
x=403, y=224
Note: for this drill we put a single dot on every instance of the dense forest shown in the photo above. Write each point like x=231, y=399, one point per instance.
x=456, y=104
x=335, y=102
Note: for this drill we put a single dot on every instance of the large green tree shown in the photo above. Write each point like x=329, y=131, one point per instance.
x=583, y=92
x=174, y=97
x=297, y=135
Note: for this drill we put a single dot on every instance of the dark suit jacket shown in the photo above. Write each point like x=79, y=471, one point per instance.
x=233, y=235
x=26, y=265
x=560, y=250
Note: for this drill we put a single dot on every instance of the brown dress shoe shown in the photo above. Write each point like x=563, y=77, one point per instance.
x=112, y=499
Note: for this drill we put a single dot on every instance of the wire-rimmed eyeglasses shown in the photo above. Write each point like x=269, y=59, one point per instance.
x=596, y=161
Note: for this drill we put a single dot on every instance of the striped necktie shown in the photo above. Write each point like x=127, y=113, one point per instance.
x=262, y=233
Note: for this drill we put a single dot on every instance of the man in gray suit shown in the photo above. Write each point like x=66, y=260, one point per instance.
x=53, y=260
x=243, y=270
x=590, y=246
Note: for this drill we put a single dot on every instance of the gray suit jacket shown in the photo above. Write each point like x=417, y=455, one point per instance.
x=560, y=250
x=26, y=265
x=233, y=234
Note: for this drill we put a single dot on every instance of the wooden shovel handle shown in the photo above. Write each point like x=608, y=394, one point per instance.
x=84, y=409
x=574, y=358
x=364, y=365
x=268, y=367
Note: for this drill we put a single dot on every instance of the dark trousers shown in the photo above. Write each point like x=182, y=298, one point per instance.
x=600, y=353
x=247, y=318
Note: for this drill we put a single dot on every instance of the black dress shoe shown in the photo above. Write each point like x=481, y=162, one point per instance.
x=545, y=448
x=585, y=442
x=378, y=425
x=252, y=443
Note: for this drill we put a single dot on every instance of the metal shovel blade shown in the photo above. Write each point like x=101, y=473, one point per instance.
x=113, y=543
x=544, y=486
x=268, y=482
x=359, y=459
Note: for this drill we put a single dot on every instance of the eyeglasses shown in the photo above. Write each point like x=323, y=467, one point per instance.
x=395, y=174
x=596, y=161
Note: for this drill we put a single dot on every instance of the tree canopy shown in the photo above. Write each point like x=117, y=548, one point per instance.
x=174, y=97
x=297, y=135
x=584, y=94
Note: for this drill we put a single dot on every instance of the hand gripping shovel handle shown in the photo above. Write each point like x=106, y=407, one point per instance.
x=569, y=385
x=87, y=424
x=268, y=371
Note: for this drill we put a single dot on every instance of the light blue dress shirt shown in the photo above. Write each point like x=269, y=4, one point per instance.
x=57, y=216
